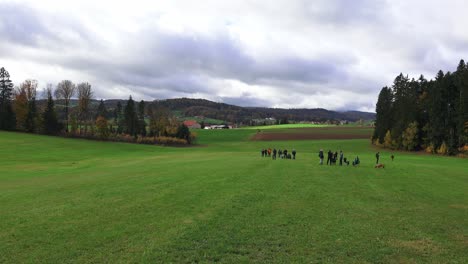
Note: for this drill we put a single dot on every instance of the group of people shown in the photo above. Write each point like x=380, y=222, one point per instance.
x=332, y=158
x=282, y=154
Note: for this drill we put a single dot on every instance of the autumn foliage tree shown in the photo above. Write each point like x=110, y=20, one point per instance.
x=21, y=108
x=158, y=121
x=410, y=136
x=388, y=140
x=102, y=127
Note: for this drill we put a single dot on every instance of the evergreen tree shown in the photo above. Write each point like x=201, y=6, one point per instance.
x=153, y=130
x=462, y=103
x=422, y=111
x=432, y=115
x=404, y=107
x=101, y=110
x=451, y=96
x=50, y=124
x=31, y=119
x=131, y=118
x=7, y=116
x=183, y=132
x=118, y=118
x=141, y=118
x=437, y=111
x=383, y=110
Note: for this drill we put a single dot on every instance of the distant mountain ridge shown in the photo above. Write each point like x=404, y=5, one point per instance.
x=238, y=114
x=233, y=113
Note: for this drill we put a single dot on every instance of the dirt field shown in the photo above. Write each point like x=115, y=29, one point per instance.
x=315, y=133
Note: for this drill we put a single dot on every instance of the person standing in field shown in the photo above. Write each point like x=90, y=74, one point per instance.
x=377, y=156
x=321, y=156
x=392, y=157
x=329, y=157
x=293, y=154
x=274, y=154
x=341, y=158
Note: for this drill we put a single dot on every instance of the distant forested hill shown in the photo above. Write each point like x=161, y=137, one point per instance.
x=237, y=114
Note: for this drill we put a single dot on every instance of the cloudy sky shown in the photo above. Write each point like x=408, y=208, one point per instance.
x=334, y=54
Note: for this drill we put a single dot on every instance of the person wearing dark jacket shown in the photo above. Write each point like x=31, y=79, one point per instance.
x=377, y=156
x=293, y=154
x=329, y=157
x=341, y=158
x=321, y=156
x=274, y=154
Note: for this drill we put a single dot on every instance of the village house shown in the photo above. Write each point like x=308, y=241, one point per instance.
x=192, y=124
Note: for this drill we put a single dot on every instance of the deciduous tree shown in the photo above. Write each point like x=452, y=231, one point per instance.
x=21, y=108
x=85, y=94
x=102, y=127
x=410, y=136
x=65, y=91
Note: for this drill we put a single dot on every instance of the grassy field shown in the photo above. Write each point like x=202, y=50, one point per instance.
x=284, y=126
x=74, y=201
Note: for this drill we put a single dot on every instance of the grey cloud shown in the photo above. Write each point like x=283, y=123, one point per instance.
x=171, y=56
x=20, y=24
x=347, y=13
x=186, y=64
x=153, y=63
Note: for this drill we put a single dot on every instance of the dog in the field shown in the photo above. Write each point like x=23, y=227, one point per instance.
x=380, y=166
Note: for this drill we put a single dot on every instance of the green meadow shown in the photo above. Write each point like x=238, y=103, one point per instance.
x=80, y=201
x=283, y=126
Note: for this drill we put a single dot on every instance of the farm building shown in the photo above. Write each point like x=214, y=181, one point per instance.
x=218, y=127
x=192, y=124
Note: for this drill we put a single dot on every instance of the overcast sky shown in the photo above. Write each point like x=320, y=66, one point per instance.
x=333, y=54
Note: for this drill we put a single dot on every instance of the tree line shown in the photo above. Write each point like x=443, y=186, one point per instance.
x=132, y=122
x=430, y=115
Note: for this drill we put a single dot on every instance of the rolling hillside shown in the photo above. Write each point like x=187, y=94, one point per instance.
x=237, y=114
